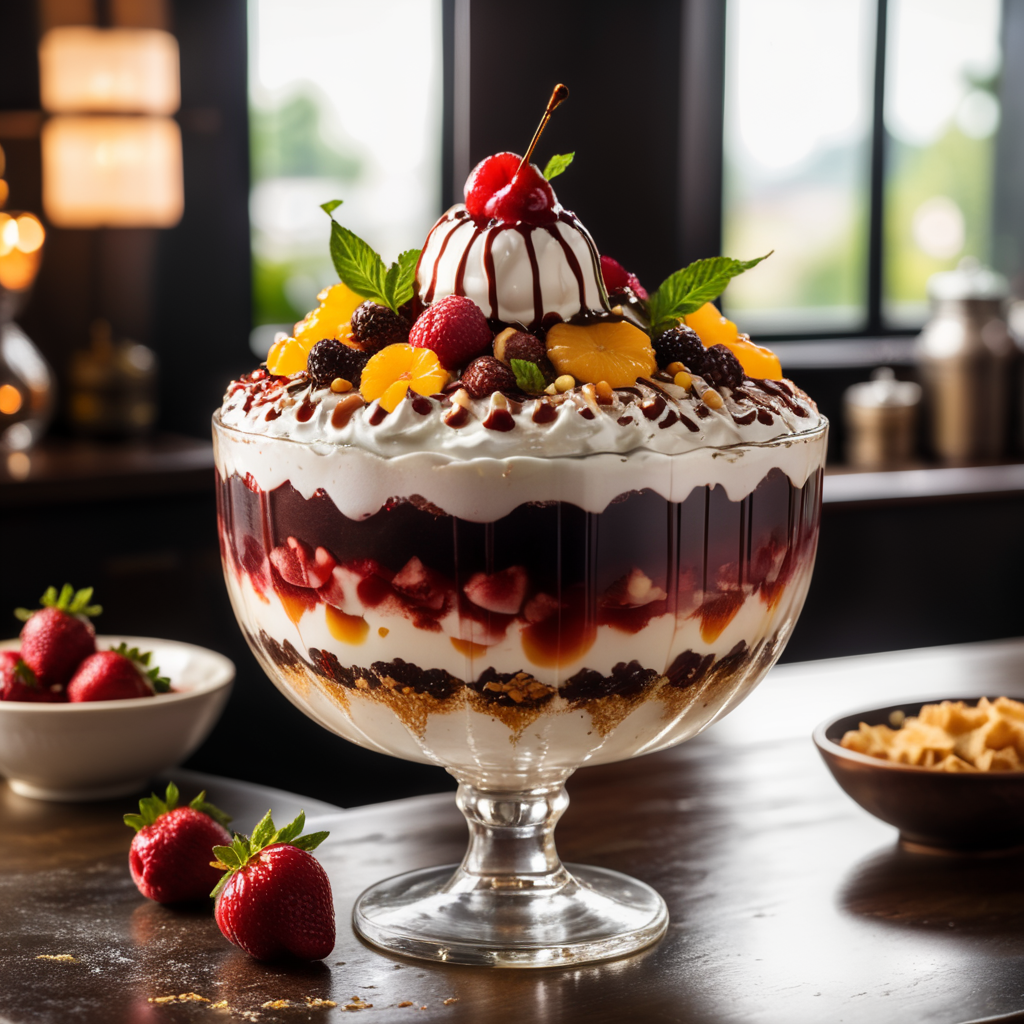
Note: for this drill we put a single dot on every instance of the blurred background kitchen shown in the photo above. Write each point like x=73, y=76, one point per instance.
x=161, y=167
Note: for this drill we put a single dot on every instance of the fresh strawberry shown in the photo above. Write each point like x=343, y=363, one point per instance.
x=18, y=681
x=502, y=593
x=299, y=565
x=55, y=639
x=170, y=855
x=275, y=899
x=617, y=279
x=117, y=674
x=454, y=328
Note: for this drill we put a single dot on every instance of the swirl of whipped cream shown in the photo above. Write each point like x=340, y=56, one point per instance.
x=517, y=273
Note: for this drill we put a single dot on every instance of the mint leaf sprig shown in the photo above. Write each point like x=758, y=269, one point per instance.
x=558, y=163
x=362, y=269
x=528, y=376
x=688, y=289
x=243, y=849
x=151, y=807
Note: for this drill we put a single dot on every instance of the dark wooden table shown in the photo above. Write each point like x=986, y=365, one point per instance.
x=789, y=903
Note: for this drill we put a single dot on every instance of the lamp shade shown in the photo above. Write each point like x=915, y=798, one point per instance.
x=119, y=70
x=112, y=172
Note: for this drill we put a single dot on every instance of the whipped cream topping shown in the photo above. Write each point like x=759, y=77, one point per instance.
x=517, y=273
x=653, y=415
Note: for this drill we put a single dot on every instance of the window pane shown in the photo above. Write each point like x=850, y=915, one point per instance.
x=342, y=106
x=797, y=161
x=941, y=115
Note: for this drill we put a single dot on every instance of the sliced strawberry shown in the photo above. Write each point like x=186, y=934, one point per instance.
x=55, y=639
x=300, y=566
x=423, y=586
x=275, y=898
x=502, y=592
x=171, y=853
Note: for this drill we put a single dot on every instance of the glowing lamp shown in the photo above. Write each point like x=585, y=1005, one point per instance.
x=119, y=70
x=21, y=245
x=112, y=172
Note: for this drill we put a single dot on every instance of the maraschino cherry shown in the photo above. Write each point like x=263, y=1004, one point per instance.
x=509, y=188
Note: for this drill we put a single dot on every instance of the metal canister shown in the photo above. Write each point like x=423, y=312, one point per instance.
x=966, y=355
x=880, y=417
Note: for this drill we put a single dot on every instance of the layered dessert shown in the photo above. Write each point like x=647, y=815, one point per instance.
x=497, y=507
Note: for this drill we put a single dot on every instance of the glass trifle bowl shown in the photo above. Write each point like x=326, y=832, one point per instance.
x=513, y=620
x=512, y=515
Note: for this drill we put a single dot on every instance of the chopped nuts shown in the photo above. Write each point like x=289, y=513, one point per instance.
x=617, y=310
x=339, y=385
x=551, y=390
x=500, y=341
x=682, y=379
x=604, y=392
x=461, y=398
x=565, y=383
x=499, y=401
x=712, y=399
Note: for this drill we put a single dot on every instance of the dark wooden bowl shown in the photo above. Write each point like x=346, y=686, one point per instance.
x=946, y=811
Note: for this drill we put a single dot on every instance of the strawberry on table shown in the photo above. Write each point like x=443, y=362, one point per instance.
x=57, y=637
x=275, y=899
x=170, y=855
x=18, y=681
x=120, y=673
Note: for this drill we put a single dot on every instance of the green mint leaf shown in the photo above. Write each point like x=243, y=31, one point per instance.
x=292, y=829
x=401, y=279
x=310, y=842
x=528, y=376
x=356, y=263
x=263, y=834
x=557, y=164
x=201, y=805
x=331, y=205
x=688, y=289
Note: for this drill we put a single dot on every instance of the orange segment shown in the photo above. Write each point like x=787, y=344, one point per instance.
x=396, y=369
x=331, y=318
x=286, y=357
x=613, y=351
x=349, y=629
x=714, y=329
x=469, y=649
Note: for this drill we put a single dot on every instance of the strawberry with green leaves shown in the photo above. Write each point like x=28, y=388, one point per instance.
x=275, y=899
x=121, y=673
x=171, y=852
x=59, y=636
x=18, y=681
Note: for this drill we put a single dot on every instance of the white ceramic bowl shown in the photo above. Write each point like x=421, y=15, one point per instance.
x=102, y=749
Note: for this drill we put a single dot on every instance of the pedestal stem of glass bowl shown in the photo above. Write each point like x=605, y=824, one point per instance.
x=511, y=839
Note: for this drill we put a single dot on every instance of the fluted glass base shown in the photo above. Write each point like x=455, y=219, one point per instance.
x=511, y=903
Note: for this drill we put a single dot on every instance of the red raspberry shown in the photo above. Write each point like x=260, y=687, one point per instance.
x=454, y=328
x=617, y=279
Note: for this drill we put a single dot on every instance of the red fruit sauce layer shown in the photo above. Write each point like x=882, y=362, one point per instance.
x=558, y=571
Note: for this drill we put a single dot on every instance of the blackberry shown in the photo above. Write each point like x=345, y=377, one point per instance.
x=375, y=326
x=680, y=344
x=722, y=368
x=330, y=358
x=486, y=375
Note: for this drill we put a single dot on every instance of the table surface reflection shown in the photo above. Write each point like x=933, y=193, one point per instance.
x=788, y=902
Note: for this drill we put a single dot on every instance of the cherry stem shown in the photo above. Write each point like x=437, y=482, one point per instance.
x=559, y=94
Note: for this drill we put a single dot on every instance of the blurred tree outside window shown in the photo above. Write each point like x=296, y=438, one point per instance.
x=799, y=102
x=345, y=103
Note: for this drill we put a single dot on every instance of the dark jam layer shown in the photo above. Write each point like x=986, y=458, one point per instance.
x=558, y=571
